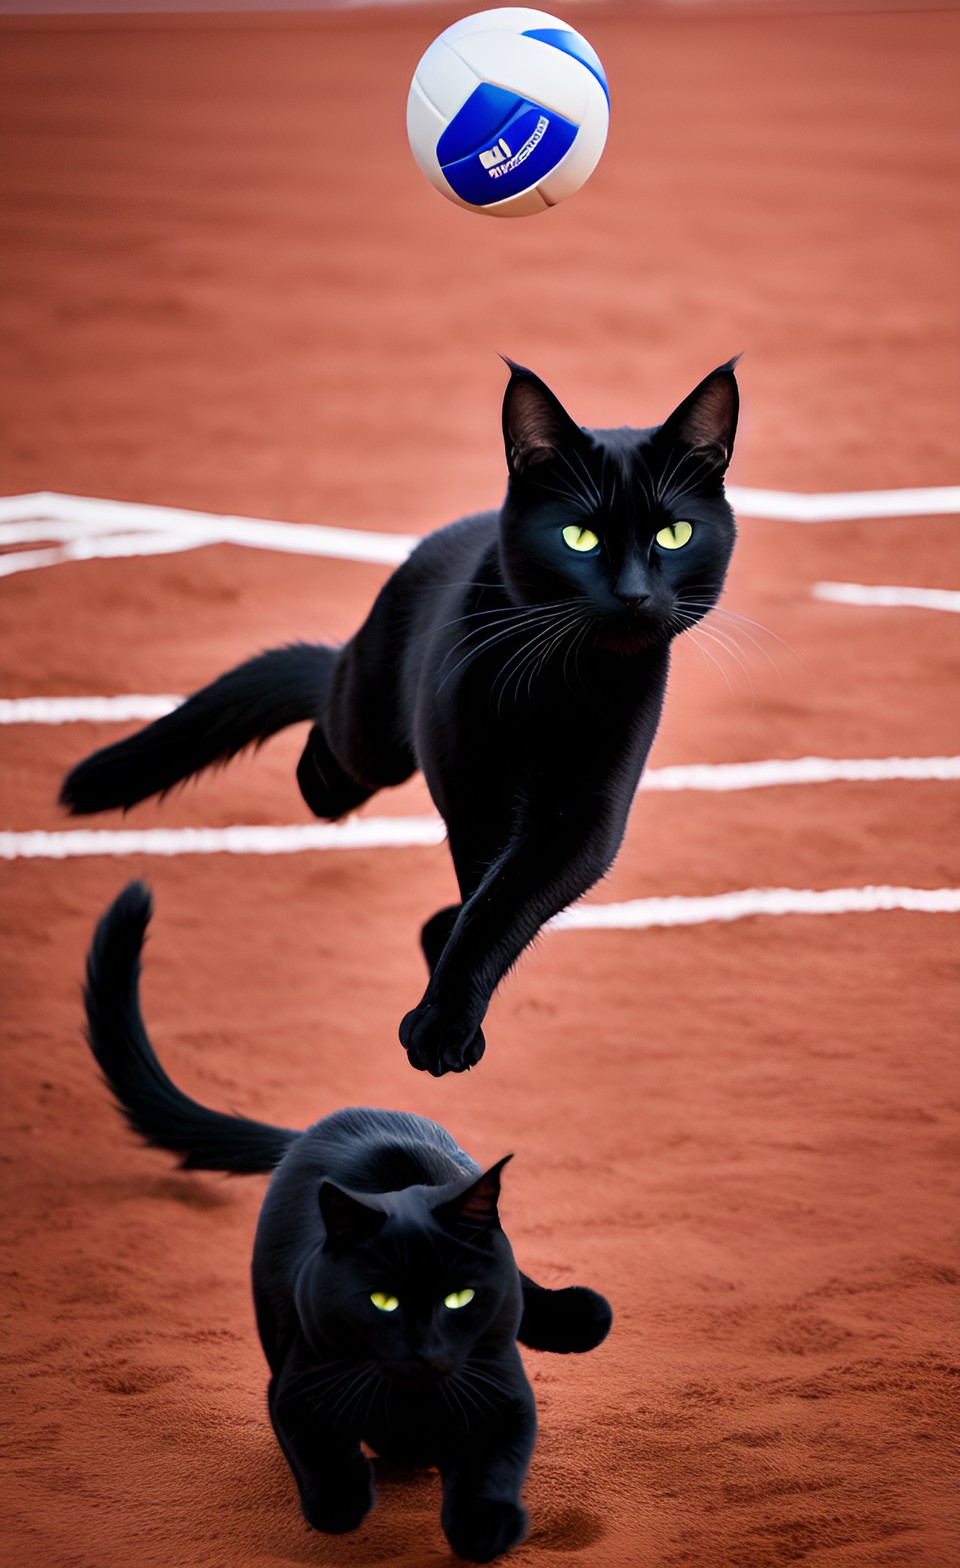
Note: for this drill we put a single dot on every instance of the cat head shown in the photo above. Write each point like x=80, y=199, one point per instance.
x=629, y=527
x=412, y=1281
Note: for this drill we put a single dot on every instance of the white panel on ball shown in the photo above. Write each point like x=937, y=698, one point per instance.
x=508, y=111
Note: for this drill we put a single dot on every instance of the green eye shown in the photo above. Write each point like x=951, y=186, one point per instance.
x=458, y=1298
x=674, y=536
x=580, y=539
x=384, y=1303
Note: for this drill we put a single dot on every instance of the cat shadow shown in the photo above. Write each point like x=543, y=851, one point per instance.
x=567, y=1530
x=185, y=1189
x=404, y=1525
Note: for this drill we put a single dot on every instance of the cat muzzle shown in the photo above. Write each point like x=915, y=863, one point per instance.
x=423, y=1371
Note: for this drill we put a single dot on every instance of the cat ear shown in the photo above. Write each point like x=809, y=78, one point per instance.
x=535, y=425
x=475, y=1208
x=347, y=1220
x=707, y=419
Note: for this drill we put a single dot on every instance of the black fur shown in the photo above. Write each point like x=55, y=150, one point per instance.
x=363, y=1202
x=524, y=676
x=242, y=708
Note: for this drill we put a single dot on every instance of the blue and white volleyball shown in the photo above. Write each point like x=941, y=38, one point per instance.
x=508, y=112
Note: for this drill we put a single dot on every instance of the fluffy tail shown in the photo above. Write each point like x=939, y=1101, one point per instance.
x=152, y=1104
x=242, y=708
x=568, y=1321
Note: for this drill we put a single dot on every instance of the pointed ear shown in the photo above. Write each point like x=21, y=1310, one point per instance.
x=707, y=419
x=535, y=425
x=347, y=1219
x=475, y=1208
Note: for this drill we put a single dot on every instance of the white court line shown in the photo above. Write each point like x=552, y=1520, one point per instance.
x=642, y=913
x=110, y=547
x=84, y=710
x=720, y=777
x=356, y=833
x=889, y=597
x=842, y=506
x=404, y=832
x=83, y=525
x=73, y=519
x=707, y=777
x=638, y=914
x=703, y=777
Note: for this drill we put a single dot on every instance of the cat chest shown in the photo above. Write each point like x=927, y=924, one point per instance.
x=416, y=1430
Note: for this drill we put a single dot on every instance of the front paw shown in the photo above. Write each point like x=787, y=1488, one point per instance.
x=437, y=1043
x=342, y=1504
x=480, y=1530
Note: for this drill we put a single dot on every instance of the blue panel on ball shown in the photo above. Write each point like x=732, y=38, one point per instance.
x=478, y=123
x=571, y=43
x=503, y=160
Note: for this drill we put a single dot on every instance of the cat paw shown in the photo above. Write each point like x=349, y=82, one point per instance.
x=341, y=1507
x=436, y=1045
x=480, y=1530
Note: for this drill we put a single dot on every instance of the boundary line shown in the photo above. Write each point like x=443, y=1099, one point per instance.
x=643, y=913
x=356, y=833
x=637, y=914
x=84, y=710
x=88, y=528
x=702, y=777
x=404, y=832
x=889, y=597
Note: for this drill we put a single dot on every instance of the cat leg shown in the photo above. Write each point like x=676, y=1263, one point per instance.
x=333, y=1478
x=361, y=743
x=482, y=1514
x=553, y=857
x=328, y=790
x=435, y=934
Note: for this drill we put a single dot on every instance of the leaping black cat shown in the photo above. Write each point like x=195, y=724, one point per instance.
x=387, y=1298
x=518, y=658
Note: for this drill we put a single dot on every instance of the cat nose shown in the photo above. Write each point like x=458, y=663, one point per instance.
x=436, y=1364
x=632, y=586
x=634, y=602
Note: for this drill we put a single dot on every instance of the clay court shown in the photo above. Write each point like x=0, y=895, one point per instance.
x=229, y=290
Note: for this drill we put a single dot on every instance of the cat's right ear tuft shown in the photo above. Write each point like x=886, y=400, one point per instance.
x=536, y=426
x=347, y=1220
x=706, y=421
x=475, y=1207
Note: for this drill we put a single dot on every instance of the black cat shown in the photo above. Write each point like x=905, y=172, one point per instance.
x=518, y=658
x=387, y=1298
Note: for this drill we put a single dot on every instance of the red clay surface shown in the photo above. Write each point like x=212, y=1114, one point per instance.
x=229, y=288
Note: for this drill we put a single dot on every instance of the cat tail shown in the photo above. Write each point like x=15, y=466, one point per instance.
x=152, y=1104
x=567, y=1321
x=242, y=708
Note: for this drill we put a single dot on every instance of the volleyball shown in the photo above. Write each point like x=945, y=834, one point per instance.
x=508, y=112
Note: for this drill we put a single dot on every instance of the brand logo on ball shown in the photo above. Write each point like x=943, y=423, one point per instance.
x=495, y=155
x=493, y=158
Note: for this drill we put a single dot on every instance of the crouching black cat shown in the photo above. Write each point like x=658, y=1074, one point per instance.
x=387, y=1298
x=518, y=658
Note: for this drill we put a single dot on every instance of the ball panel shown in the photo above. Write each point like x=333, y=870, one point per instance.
x=583, y=157
x=532, y=70
x=425, y=124
x=525, y=206
x=424, y=128
x=514, y=157
x=483, y=118
x=446, y=79
x=569, y=42
x=509, y=18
